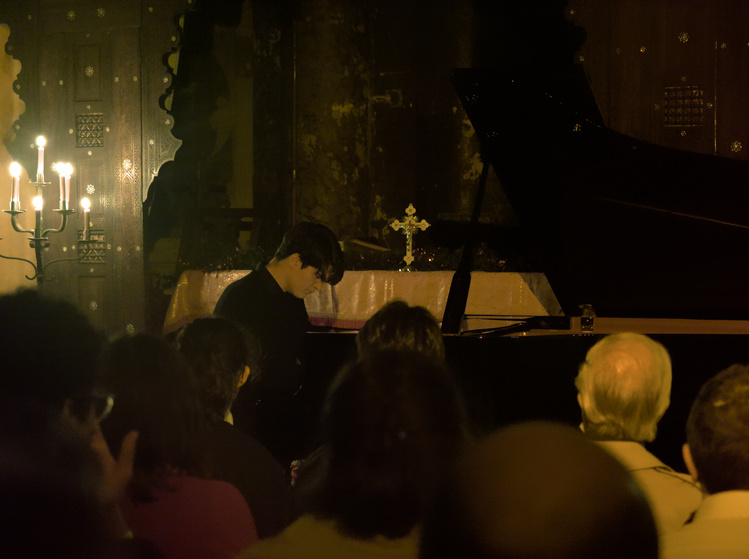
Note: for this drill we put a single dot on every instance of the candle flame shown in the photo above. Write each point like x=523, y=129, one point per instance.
x=15, y=169
x=63, y=169
x=38, y=203
x=85, y=204
x=41, y=142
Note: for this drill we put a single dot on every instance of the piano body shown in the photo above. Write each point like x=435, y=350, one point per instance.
x=655, y=239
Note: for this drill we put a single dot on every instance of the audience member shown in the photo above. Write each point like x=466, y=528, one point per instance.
x=393, y=422
x=539, y=491
x=624, y=388
x=398, y=326
x=717, y=454
x=223, y=356
x=269, y=302
x=394, y=327
x=56, y=474
x=168, y=501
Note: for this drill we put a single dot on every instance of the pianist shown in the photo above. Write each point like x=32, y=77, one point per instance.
x=269, y=302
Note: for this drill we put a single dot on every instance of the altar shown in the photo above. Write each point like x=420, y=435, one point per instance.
x=360, y=294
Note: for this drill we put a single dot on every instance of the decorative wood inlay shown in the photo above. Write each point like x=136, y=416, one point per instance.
x=89, y=130
x=93, y=252
x=683, y=106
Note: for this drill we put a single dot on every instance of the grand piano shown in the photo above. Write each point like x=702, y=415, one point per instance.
x=653, y=239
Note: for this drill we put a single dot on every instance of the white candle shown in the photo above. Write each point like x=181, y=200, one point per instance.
x=67, y=170
x=86, y=205
x=40, y=143
x=15, y=172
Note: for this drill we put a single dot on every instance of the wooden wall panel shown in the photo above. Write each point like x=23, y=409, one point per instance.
x=88, y=73
x=127, y=290
x=631, y=65
x=653, y=45
x=683, y=45
x=732, y=78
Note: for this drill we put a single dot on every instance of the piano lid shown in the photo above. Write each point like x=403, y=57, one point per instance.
x=635, y=229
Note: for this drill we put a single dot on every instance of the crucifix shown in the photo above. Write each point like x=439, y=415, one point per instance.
x=409, y=226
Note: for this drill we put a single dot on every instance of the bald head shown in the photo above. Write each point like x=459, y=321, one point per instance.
x=624, y=387
x=540, y=490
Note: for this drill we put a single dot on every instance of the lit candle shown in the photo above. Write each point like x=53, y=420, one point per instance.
x=67, y=170
x=58, y=168
x=40, y=143
x=15, y=172
x=86, y=205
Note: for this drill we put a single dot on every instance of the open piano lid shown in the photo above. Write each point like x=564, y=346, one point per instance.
x=635, y=229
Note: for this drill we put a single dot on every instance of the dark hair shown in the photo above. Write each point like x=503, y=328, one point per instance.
x=49, y=349
x=537, y=490
x=718, y=431
x=317, y=246
x=398, y=326
x=156, y=394
x=48, y=477
x=218, y=349
x=392, y=424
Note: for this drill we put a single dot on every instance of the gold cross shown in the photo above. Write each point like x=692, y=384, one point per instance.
x=409, y=226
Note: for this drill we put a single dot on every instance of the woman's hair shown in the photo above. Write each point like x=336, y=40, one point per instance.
x=392, y=423
x=398, y=326
x=218, y=350
x=624, y=387
x=154, y=393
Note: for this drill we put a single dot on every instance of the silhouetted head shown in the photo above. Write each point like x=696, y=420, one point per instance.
x=718, y=431
x=539, y=491
x=49, y=349
x=221, y=354
x=393, y=423
x=401, y=327
x=155, y=394
x=624, y=387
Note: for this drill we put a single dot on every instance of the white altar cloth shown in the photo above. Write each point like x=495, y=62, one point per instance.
x=360, y=294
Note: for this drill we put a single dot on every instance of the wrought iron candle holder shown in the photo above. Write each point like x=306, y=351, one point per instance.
x=39, y=239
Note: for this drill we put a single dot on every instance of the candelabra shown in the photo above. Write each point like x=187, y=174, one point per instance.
x=39, y=239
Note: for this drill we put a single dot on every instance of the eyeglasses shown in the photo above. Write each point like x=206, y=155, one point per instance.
x=86, y=408
x=322, y=276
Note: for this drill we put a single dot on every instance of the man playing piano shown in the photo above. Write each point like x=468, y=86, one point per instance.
x=270, y=303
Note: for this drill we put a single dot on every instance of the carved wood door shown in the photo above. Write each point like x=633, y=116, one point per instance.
x=91, y=80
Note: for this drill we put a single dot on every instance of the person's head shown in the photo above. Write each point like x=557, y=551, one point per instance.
x=398, y=326
x=315, y=256
x=50, y=480
x=222, y=356
x=49, y=407
x=49, y=352
x=539, y=490
x=624, y=387
x=156, y=394
x=392, y=424
x=717, y=448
